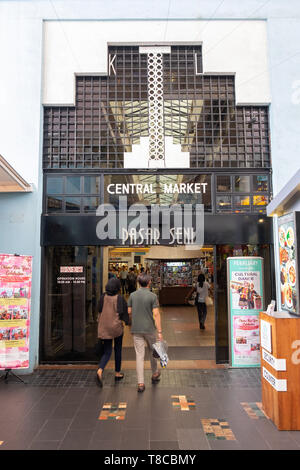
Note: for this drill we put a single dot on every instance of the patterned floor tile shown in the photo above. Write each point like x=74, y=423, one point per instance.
x=254, y=410
x=217, y=429
x=115, y=411
x=183, y=403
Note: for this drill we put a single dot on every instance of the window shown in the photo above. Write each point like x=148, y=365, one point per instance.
x=72, y=194
x=55, y=185
x=73, y=185
x=224, y=204
x=199, y=114
x=260, y=183
x=242, y=193
x=223, y=184
x=91, y=185
x=242, y=184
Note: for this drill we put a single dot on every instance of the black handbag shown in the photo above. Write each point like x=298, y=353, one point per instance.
x=99, y=348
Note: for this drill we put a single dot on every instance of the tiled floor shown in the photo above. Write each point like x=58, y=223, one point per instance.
x=214, y=409
x=180, y=326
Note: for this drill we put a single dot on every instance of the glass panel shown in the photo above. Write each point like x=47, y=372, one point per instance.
x=73, y=185
x=159, y=189
x=260, y=183
x=90, y=203
x=223, y=184
x=260, y=200
x=72, y=204
x=55, y=185
x=242, y=203
x=242, y=184
x=71, y=298
x=54, y=204
x=91, y=185
x=199, y=114
x=224, y=203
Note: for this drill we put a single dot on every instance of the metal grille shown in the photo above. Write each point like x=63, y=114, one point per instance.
x=112, y=113
x=156, y=106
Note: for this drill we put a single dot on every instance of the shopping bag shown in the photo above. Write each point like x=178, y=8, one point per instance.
x=160, y=349
x=208, y=301
x=192, y=300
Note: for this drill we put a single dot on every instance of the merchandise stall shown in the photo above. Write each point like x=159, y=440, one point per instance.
x=280, y=330
x=173, y=279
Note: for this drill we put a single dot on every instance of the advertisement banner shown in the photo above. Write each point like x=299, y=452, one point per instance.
x=15, y=296
x=289, y=297
x=245, y=301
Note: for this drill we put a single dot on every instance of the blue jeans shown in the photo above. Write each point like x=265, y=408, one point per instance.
x=108, y=350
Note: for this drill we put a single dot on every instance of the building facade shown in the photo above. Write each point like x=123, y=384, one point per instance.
x=161, y=109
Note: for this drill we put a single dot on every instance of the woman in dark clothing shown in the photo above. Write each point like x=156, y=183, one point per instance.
x=202, y=290
x=112, y=311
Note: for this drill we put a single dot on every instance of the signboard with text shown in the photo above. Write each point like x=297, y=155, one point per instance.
x=245, y=301
x=15, y=297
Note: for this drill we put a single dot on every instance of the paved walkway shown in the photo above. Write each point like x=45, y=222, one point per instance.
x=187, y=410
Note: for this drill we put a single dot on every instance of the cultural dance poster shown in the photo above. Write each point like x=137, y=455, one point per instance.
x=15, y=296
x=245, y=301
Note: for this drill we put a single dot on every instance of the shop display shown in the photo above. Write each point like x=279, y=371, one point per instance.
x=178, y=273
x=288, y=263
x=155, y=273
x=173, y=279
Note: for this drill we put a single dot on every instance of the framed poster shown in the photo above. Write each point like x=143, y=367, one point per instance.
x=245, y=301
x=15, y=296
x=288, y=262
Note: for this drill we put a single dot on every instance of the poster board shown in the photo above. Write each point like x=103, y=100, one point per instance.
x=288, y=264
x=15, y=302
x=245, y=301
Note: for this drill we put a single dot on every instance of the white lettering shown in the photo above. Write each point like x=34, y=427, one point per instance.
x=108, y=189
x=111, y=64
x=168, y=188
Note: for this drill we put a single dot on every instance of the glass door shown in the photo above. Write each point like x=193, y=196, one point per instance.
x=71, y=295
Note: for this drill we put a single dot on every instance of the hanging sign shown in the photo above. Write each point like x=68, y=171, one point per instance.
x=245, y=301
x=15, y=296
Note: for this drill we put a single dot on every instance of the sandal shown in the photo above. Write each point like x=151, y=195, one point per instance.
x=156, y=378
x=119, y=377
x=99, y=381
x=141, y=388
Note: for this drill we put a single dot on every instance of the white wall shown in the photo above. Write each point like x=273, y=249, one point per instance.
x=228, y=47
